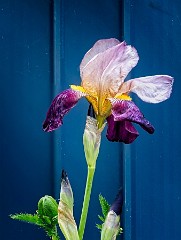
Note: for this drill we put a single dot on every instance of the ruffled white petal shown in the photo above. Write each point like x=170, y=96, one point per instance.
x=152, y=89
x=105, y=72
x=100, y=46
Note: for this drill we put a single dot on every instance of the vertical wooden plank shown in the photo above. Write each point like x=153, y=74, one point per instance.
x=25, y=150
x=155, y=163
x=127, y=160
x=82, y=23
x=58, y=22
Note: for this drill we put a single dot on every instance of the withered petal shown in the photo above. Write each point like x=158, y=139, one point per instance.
x=123, y=110
x=120, y=131
x=60, y=106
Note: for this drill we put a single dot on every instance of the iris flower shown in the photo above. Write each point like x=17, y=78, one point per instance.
x=103, y=71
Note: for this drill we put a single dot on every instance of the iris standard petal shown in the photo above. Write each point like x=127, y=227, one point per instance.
x=123, y=110
x=100, y=46
x=61, y=105
x=152, y=89
x=103, y=75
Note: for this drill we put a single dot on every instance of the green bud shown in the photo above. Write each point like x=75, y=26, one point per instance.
x=65, y=210
x=47, y=207
x=91, y=140
x=111, y=226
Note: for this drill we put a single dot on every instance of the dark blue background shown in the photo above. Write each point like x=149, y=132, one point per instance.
x=25, y=73
x=154, y=28
x=41, y=45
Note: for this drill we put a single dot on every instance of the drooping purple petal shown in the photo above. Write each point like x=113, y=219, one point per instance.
x=123, y=110
x=120, y=131
x=60, y=106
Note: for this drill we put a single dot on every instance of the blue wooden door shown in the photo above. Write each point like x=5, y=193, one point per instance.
x=79, y=25
x=25, y=76
x=42, y=44
x=154, y=28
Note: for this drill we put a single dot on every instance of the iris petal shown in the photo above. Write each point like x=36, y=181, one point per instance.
x=103, y=75
x=60, y=106
x=123, y=110
x=152, y=89
x=121, y=131
x=100, y=46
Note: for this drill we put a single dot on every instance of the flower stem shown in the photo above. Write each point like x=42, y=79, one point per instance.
x=85, y=207
x=55, y=237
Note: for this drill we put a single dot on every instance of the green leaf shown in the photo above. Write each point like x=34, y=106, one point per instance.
x=42, y=221
x=104, y=205
x=46, y=216
x=105, y=209
x=51, y=231
x=101, y=218
x=26, y=217
x=99, y=226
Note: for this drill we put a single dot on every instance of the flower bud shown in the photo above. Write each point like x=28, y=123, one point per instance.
x=47, y=206
x=118, y=203
x=111, y=226
x=91, y=138
x=66, y=194
x=65, y=210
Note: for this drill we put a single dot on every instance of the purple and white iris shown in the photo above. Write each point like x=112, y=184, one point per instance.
x=103, y=71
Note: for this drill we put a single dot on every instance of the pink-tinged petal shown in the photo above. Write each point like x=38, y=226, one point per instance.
x=127, y=111
x=60, y=106
x=152, y=89
x=122, y=131
x=105, y=73
x=100, y=46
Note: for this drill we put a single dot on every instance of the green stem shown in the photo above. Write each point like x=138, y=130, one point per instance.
x=55, y=237
x=85, y=207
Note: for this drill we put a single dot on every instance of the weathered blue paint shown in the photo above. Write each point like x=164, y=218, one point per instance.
x=41, y=47
x=154, y=27
x=42, y=44
x=25, y=92
x=82, y=24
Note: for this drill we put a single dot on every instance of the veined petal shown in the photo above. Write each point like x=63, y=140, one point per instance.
x=99, y=46
x=103, y=75
x=60, y=106
x=123, y=110
x=152, y=89
x=120, y=131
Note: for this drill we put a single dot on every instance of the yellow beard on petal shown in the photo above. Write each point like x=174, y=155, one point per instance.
x=93, y=101
x=123, y=96
x=104, y=108
x=77, y=88
x=101, y=109
x=101, y=105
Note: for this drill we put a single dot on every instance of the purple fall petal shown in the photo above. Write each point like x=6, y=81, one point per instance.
x=122, y=131
x=126, y=110
x=60, y=106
